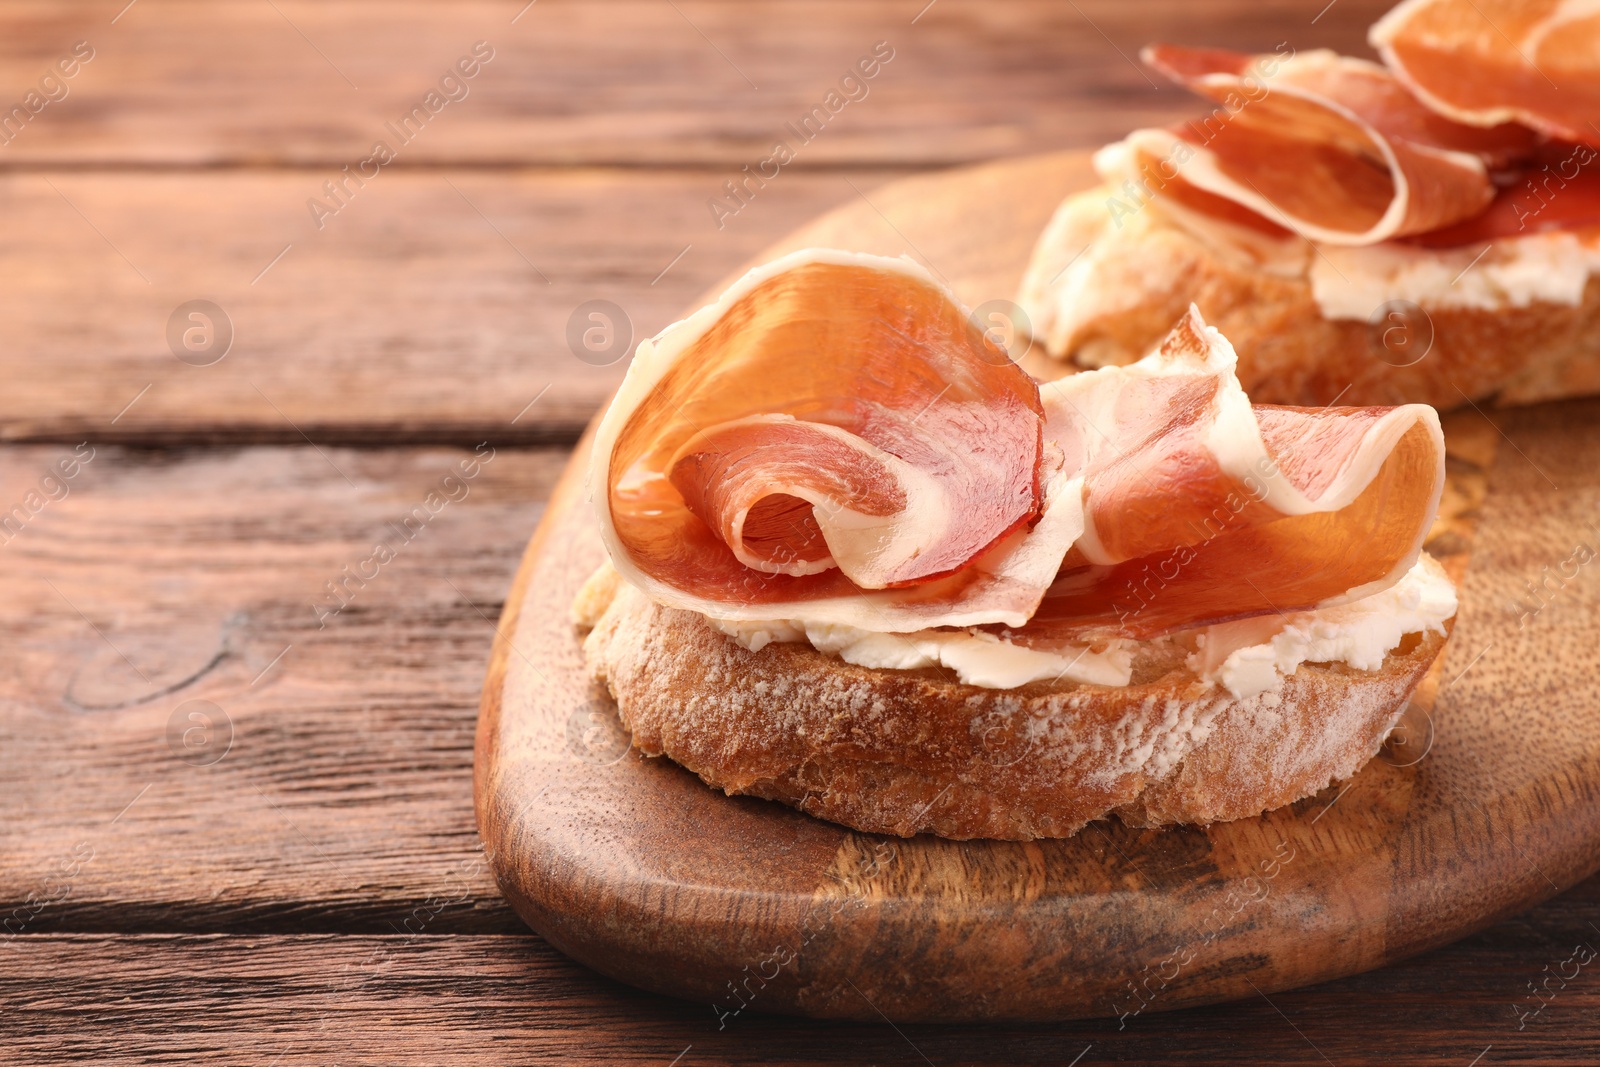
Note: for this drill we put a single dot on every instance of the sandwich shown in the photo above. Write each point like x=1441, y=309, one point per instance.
x=1425, y=229
x=862, y=563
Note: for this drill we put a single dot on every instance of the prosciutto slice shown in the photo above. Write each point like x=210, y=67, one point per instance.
x=1562, y=196
x=1484, y=62
x=1330, y=147
x=1201, y=508
x=833, y=441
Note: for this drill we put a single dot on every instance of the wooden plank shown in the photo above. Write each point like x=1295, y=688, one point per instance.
x=628, y=82
x=410, y=316
x=435, y=305
x=310, y=1000
x=332, y=787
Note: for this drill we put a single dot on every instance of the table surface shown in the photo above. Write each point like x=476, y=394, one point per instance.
x=236, y=744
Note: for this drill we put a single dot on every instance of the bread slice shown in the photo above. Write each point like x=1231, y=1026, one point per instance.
x=907, y=752
x=1140, y=271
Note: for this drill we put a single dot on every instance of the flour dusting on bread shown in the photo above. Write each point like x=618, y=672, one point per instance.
x=903, y=752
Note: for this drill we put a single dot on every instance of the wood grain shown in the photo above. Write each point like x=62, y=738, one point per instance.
x=343, y=802
x=422, y=312
x=625, y=82
x=1501, y=813
x=190, y=142
x=409, y=317
x=508, y=1001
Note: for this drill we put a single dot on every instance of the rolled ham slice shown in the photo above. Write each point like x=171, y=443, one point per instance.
x=1486, y=62
x=1201, y=508
x=833, y=441
x=1330, y=147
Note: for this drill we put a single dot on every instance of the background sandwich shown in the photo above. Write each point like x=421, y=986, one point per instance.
x=1427, y=229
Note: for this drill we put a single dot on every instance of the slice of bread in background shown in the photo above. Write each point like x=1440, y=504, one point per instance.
x=1134, y=274
x=904, y=752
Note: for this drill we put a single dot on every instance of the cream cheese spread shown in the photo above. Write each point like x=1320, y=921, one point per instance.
x=1549, y=268
x=1246, y=658
x=978, y=657
x=1255, y=655
x=1349, y=282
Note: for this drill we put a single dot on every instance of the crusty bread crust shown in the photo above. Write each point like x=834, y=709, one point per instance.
x=1150, y=267
x=906, y=752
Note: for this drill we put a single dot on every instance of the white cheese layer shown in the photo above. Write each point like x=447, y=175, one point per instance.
x=1542, y=268
x=1552, y=267
x=1255, y=655
x=978, y=658
x=1246, y=658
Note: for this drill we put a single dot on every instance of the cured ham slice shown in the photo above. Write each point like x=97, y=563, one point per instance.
x=833, y=441
x=1559, y=196
x=834, y=444
x=1201, y=508
x=792, y=497
x=1484, y=62
x=1330, y=147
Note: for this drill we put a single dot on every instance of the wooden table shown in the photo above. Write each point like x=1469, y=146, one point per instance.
x=239, y=824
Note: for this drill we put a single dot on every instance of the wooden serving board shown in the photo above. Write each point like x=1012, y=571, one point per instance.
x=1483, y=803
